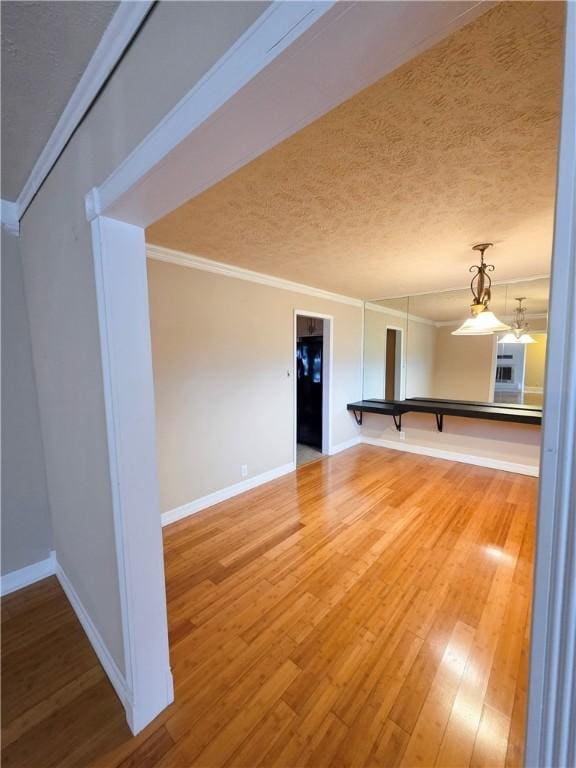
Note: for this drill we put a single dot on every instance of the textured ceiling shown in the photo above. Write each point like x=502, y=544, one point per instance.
x=386, y=193
x=46, y=47
x=455, y=305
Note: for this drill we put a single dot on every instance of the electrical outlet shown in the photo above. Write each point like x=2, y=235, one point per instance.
x=244, y=470
x=402, y=435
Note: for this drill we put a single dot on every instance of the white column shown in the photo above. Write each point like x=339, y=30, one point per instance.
x=551, y=723
x=122, y=294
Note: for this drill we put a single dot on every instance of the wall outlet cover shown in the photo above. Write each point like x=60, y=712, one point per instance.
x=402, y=435
x=244, y=470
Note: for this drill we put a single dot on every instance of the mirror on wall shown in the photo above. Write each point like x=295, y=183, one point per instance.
x=385, y=326
x=410, y=350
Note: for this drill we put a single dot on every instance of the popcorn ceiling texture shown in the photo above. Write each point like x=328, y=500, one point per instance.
x=386, y=193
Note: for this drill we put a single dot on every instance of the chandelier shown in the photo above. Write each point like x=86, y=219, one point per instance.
x=482, y=321
x=519, y=328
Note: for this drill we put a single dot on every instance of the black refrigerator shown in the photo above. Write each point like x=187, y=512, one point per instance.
x=309, y=391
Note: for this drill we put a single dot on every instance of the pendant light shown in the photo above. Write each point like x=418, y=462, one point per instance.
x=518, y=333
x=483, y=322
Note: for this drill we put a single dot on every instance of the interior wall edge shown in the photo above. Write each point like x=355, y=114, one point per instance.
x=114, y=42
x=30, y=574
x=116, y=678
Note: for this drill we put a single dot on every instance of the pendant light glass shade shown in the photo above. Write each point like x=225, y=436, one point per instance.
x=511, y=338
x=483, y=324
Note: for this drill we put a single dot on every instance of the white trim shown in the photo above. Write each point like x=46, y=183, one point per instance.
x=108, y=663
x=551, y=735
x=398, y=313
x=403, y=358
x=159, y=253
x=339, y=447
x=116, y=38
x=327, y=379
x=119, y=253
x=179, y=513
x=30, y=574
x=534, y=390
x=274, y=31
x=10, y=220
x=464, y=458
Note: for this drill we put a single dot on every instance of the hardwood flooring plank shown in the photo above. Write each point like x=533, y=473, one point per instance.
x=371, y=609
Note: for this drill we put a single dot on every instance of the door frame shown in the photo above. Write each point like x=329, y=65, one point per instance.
x=327, y=373
x=402, y=359
x=551, y=715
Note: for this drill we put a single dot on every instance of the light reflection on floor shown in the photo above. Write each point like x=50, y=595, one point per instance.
x=496, y=553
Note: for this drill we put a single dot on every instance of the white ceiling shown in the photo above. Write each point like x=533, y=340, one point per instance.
x=45, y=48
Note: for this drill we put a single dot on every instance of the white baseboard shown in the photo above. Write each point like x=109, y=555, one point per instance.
x=334, y=449
x=136, y=715
x=464, y=458
x=178, y=513
x=108, y=663
x=138, y=712
x=29, y=575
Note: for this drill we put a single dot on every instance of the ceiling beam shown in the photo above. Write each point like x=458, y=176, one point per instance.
x=118, y=35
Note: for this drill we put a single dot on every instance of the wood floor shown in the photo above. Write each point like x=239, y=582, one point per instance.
x=370, y=610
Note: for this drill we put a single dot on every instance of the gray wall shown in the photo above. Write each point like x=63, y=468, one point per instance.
x=177, y=45
x=26, y=536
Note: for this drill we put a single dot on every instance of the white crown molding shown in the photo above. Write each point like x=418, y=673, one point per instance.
x=179, y=513
x=159, y=253
x=398, y=313
x=23, y=577
x=10, y=220
x=116, y=38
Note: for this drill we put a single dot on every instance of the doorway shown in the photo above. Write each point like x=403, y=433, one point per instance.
x=393, y=370
x=312, y=355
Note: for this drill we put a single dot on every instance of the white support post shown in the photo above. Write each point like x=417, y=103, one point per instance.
x=551, y=722
x=122, y=294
